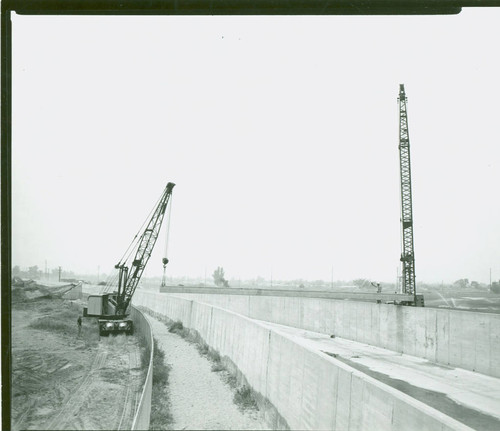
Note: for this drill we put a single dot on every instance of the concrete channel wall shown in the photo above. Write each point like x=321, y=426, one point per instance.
x=143, y=412
x=463, y=339
x=309, y=389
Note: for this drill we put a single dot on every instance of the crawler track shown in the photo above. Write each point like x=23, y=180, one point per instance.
x=131, y=400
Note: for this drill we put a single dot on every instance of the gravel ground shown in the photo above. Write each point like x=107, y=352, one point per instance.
x=198, y=396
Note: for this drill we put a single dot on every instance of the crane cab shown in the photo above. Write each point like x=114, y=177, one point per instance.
x=103, y=306
x=100, y=305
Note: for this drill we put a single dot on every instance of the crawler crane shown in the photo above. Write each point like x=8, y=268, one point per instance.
x=112, y=309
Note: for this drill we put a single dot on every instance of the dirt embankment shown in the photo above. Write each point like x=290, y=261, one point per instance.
x=65, y=380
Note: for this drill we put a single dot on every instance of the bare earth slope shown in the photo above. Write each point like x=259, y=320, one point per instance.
x=62, y=381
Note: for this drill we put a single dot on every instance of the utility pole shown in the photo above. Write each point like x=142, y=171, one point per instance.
x=490, y=279
x=59, y=273
x=331, y=278
x=98, y=273
x=407, y=253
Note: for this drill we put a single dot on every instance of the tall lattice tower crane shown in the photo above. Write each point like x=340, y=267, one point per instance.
x=407, y=252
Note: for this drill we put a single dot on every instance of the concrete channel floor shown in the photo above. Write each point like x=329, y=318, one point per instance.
x=469, y=397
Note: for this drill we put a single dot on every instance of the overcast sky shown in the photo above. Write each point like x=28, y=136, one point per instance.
x=281, y=134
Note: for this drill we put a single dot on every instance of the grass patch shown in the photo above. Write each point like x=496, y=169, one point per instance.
x=160, y=369
x=161, y=418
x=63, y=321
x=69, y=313
x=243, y=398
x=53, y=324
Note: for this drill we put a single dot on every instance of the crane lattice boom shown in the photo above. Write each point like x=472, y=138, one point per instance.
x=143, y=253
x=407, y=253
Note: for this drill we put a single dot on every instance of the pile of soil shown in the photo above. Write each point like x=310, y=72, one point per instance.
x=30, y=290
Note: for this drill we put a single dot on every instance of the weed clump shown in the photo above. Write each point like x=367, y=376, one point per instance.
x=214, y=355
x=217, y=367
x=160, y=418
x=202, y=348
x=64, y=322
x=243, y=398
x=232, y=381
x=160, y=369
x=176, y=327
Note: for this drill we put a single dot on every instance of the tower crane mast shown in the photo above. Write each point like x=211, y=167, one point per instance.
x=407, y=252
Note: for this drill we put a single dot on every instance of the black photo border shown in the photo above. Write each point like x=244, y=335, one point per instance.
x=153, y=7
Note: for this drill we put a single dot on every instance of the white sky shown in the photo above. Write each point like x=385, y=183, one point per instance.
x=281, y=134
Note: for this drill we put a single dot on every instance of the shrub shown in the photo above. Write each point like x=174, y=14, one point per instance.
x=176, y=327
x=202, y=348
x=243, y=398
x=214, y=355
x=216, y=367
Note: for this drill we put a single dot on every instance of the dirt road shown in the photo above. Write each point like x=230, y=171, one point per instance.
x=61, y=381
x=200, y=399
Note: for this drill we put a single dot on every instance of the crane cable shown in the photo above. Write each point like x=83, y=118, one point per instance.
x=167, y=236
x=110, y=281
x=122, y=260
x=113, y=277
x=165, y=254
